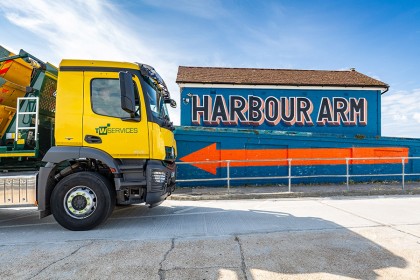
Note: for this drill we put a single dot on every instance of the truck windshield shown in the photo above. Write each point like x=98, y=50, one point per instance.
x=157, y=105
x=155, y=90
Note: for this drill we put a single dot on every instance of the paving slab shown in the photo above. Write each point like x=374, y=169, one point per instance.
x=331, y=254
x=384, y=210
x=95, y=259
x=213, y=258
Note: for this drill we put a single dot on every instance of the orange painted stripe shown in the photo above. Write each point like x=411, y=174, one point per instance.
x=305, y=157
x=315, y=156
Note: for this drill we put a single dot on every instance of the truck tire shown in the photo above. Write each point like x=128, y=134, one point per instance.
x=82, y=201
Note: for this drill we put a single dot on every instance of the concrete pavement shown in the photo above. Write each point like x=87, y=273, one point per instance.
x=316, y=238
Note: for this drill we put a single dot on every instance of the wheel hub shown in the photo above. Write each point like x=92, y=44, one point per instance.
x=80, y=202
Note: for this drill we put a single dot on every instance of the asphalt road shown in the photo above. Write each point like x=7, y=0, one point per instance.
x=316, y=238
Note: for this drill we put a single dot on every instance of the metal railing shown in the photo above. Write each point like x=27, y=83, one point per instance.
x=289, y=163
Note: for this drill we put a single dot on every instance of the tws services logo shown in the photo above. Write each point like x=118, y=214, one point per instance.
x=105, y=130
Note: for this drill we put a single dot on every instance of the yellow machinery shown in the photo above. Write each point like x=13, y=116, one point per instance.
x=15, y=75
x=96, y=135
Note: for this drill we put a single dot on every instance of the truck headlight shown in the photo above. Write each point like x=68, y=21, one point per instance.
x=158, y=176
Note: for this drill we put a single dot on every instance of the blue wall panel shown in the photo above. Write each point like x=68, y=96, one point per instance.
x=200, y=144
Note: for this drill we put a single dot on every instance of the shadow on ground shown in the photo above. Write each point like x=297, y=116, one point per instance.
x=256, y=242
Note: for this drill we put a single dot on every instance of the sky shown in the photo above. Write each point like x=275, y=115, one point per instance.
x=379, y=38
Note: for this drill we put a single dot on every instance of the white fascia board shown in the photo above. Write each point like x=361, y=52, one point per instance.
x=197, y=85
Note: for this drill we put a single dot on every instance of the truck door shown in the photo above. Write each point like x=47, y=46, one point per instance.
x=104, y=126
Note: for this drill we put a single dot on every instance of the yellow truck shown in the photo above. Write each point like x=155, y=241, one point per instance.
x=77, y=140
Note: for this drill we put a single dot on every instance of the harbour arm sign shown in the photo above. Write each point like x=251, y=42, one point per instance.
x=288, y=111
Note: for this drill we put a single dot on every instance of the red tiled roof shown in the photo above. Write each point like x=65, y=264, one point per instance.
x=287, y=77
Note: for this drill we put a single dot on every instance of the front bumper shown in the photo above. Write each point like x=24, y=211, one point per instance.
x=160, y=179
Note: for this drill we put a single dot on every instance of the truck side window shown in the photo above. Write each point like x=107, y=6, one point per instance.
x=106, y=98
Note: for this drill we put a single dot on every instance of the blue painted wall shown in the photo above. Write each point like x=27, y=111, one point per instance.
x=193, y=139
x=219, y=100
x=330, y=121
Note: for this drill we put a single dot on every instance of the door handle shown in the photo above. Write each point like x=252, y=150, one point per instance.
x=92, y=139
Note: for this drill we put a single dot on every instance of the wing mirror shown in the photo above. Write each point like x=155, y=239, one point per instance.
x=171, y=102
x=128, y=102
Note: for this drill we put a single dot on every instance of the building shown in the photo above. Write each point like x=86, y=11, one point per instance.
x=250, y=115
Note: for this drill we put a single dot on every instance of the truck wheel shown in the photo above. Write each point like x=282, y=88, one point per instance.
x=82, y=201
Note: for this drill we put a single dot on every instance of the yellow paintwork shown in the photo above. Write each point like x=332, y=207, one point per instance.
x=97, y=63
x=9, y=93
x=118, y=145
x=6, y=116
x=160, y=137
x=19, y=72
x=75, y=118
x=15, y=76
x=31, y=154
x=69, y=109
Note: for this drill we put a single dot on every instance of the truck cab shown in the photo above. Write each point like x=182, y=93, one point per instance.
x=113, y=143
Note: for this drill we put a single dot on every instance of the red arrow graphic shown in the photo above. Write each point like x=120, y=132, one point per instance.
x=308, y=156
x=5, y=67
